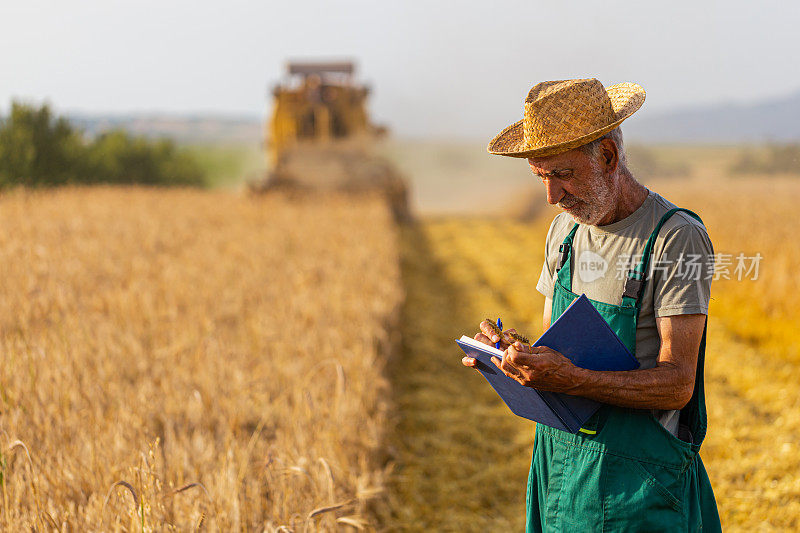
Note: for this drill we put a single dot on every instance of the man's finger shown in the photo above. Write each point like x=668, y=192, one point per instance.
x=517, y=355
x=511, y=354
x=488, y=330
x=483, y=338
x=511, y=371
x=508, y=369
x=521, y=347
x=469, y=361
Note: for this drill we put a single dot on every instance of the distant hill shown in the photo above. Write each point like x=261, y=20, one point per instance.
x=185, y=129
x=771, y=120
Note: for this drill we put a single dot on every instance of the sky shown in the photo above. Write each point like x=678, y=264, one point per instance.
x=437, y=69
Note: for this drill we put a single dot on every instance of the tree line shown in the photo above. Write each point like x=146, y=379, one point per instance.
x=39, y=149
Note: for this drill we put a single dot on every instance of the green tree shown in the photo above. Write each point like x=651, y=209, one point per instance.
x=38, y=149
x=117, y=157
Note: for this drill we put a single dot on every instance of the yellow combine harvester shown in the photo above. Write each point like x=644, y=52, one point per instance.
x=317, y=102
x=319, y=137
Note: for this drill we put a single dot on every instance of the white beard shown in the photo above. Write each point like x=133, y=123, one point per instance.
x=597, y=203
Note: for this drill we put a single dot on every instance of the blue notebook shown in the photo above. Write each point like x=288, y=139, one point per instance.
x=583, y=336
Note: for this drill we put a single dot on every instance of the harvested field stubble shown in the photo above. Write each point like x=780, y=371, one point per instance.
x=220, y=355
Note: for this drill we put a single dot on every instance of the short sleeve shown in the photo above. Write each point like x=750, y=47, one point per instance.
x=682, y=272
x=545, y=283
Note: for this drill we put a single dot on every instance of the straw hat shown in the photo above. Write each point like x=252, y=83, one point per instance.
x=562, y=115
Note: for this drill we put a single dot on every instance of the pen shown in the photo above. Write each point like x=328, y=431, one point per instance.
x=500, y=327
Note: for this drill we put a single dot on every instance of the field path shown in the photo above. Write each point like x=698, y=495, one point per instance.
x=463, y=460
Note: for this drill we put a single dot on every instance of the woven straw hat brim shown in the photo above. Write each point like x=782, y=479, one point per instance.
x=510, y=141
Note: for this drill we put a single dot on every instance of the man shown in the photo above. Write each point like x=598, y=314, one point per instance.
x=635, y=465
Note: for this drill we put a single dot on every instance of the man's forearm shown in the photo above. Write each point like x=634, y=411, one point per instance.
x=663, y=387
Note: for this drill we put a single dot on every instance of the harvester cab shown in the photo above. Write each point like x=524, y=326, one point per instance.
x=317, y=102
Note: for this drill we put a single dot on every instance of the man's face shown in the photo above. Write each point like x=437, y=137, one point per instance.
x=577, y=183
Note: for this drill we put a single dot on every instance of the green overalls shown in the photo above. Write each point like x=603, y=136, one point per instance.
x=623, y=471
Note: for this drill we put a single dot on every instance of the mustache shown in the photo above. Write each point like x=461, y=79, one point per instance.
x=568, y=201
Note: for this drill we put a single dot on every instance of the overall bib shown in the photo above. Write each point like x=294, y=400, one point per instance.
x=623, y=471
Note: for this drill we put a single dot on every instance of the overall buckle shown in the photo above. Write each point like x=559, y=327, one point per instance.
x=633, y=285
x=563, y=253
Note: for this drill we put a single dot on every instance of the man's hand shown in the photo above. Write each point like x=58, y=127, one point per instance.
x=488, y=336
x=539, y=367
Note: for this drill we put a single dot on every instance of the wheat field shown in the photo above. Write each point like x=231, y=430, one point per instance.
x=175, y=360
x=193, y=360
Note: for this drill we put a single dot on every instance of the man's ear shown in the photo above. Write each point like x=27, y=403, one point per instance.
x=610, y=155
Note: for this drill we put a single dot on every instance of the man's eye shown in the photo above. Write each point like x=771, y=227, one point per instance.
x=560, y=174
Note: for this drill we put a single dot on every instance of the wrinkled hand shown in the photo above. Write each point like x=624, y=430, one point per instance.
x=488, y=336
x=539, y=367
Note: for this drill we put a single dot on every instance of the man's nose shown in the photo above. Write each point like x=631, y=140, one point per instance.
x=554, y=191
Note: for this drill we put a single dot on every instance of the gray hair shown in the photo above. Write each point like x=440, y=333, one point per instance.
x=592, y=149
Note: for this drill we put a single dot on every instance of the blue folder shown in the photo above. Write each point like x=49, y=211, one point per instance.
x=582, y=335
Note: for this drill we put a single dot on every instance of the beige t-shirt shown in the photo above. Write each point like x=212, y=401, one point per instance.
x=678, y=281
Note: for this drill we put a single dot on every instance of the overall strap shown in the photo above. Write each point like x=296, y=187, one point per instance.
x=564, y=275
x=566, y=246
x=636, y=276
